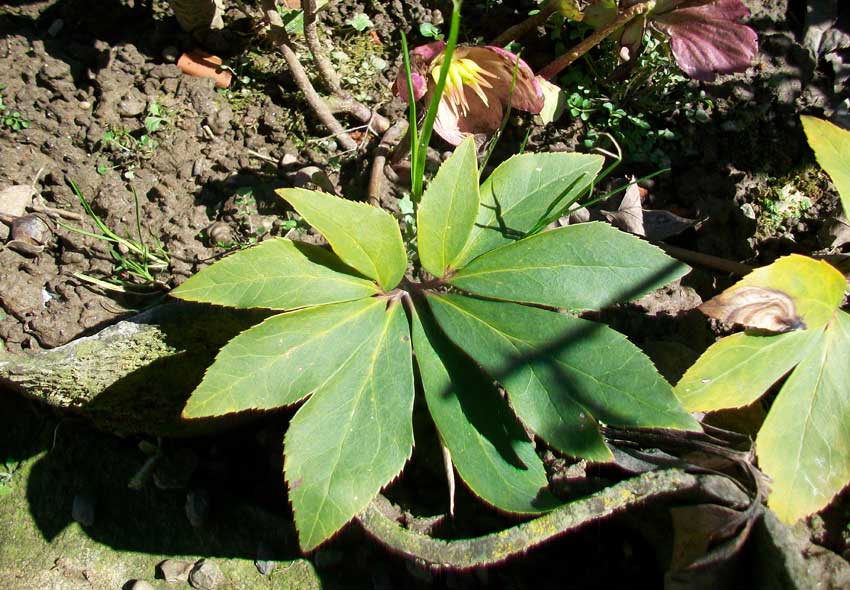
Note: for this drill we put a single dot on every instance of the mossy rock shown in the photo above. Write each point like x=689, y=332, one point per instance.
x=135, y=376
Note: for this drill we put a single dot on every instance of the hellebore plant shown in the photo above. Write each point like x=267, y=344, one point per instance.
x=480, y=84
x=476, y=308
x=706, y=36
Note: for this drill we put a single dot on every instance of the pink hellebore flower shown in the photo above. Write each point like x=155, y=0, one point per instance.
x=477, y=90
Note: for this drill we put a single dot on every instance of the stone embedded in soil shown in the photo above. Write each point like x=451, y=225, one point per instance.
x=264, y=562
x=174, y=570
x=205, y=575
x=137, y=585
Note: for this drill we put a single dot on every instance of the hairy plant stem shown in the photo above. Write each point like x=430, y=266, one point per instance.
x=342, y=101
x=378, y=520
x=520, y=29
x=624, y=17
x=388, y=143
x=281, y=38
x=323, y=64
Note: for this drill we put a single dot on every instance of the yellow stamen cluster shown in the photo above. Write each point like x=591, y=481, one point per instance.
x=463, y=72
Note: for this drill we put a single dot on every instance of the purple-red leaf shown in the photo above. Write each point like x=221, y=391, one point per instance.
x=706, y=37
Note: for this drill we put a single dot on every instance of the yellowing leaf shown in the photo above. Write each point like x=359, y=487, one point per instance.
x=804, y=445
x=736, y=371
x=831, y=145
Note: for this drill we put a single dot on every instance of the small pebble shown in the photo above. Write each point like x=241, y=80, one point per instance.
x=205, y=575
x=15, y=199
x=198, y=167
x=287, y=160
x=174, y=570
x=197, y=507
x=170, y=54
x=82, y=510
x=55, y=27
x=137, y=585
x=264, y=563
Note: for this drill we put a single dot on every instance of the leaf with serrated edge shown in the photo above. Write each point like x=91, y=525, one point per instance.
x=448, y=210
x=364, y=237
x=735, y=371
x=562, y=373
x=585, y=266
x=815, y=286
x=521, y=191
x=354, y=435
x=285, y=358
x=831, y=145
x=276, y=274
x=489, y=449
x=803, y=444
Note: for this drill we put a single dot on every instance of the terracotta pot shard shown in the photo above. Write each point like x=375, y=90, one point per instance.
x=205, y=65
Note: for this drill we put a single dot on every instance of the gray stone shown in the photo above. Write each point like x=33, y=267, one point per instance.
x=174, y=570
x=205, y=575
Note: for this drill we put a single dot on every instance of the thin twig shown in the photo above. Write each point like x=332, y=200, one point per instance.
x=626, y=16
x=706, y=260
x=323, y=64
x=281, y=38
x=345, y=103
x=342, y=101
x=520, y=29
x=388, y=141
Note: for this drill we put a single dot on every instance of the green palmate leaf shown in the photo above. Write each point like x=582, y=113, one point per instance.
x=562, y=373
x=364, y=237
x=815, y=287
x=276, y=274
x=803, y=445
x=831, y=145
x=523, y=190
x=286, y=358
x=585, y=266
x=448, y=210
x=736, y=371
x=354, y=435
x=489, y=449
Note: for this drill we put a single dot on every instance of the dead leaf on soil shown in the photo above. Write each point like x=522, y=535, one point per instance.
x=653, y=224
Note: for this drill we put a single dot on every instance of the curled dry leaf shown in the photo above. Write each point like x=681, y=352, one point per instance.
x=654, y=224
x=755, y=307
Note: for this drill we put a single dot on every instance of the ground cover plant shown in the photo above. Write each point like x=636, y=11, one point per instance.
x=617, y=196
x=347, y=345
